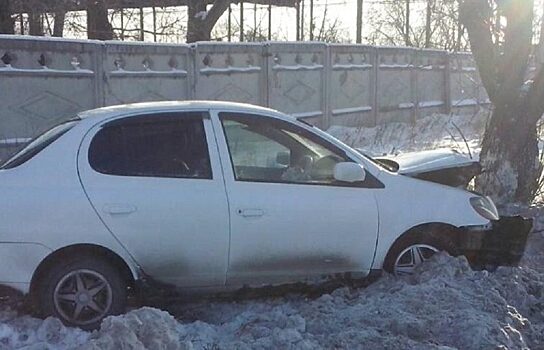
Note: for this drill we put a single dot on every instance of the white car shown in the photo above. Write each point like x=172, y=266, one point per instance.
x=207, y=196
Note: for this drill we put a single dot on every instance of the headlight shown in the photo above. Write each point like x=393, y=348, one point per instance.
x=485, y=207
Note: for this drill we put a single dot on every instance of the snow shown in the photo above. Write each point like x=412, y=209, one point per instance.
x=351, y=110
x=351, y=66
x=202, y=15
x=445, y=305
x=230, y=69
x=297, y=67
x=432, y=132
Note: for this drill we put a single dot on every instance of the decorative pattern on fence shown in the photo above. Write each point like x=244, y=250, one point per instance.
x=44, y=80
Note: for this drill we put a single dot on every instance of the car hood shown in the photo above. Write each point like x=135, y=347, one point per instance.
x=414, y=163
x=443, y=166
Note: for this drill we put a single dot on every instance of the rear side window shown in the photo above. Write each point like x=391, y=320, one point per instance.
x=163, y=145
x=38, y=144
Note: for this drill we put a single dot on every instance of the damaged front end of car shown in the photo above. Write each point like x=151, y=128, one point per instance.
x=443, y=166
x=501, y=244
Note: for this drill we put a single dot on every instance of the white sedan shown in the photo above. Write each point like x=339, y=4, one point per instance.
x=207, y=196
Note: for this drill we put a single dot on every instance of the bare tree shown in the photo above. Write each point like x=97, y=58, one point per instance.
x=440, y=29
x=203, y=15
x=509, y=153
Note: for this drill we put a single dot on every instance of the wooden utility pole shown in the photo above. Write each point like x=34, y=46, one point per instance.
x=359, y=34
x=298, y=20
x=407, y=28
x=229, y=24
x=302, y=22
x=311, y=20
x=254, y=21
x=154, y=24
x=241, y=21
x=430, y=7
x=142, y=32
x=269, y=20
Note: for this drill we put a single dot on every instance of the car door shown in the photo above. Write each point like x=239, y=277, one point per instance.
x=156, y=183
x=289, y=218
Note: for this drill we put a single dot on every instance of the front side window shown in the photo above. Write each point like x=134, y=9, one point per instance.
x=163, y=145
x=268, y=150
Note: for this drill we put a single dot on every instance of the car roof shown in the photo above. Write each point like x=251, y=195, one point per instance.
x=143, y=107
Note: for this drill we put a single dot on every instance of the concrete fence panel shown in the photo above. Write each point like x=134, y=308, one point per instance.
x=297, y=80
x=136, y=72
x=431, y=93
x=235, y=72
x=396, y=85
x=44, y=82
x=352, y=85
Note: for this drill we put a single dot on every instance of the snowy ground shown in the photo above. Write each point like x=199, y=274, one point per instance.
x=462, y=133
x=445, y=305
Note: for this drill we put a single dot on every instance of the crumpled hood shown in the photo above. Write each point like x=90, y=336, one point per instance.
x=426, y=161
x=444, y=166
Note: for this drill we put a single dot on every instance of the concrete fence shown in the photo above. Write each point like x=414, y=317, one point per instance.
x=44, y=81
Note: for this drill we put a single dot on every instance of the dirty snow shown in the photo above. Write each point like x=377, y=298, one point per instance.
x=445, y=305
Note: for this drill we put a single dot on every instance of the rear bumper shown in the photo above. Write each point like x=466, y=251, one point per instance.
x=503, y=244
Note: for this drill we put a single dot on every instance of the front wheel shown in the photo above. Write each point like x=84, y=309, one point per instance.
x=410, y=251
x=82, y=292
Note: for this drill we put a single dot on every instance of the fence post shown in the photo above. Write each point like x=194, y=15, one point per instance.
x=447, y=83
x=374, y=78
x=414, y=95
x=326, y=95
x=99, y=74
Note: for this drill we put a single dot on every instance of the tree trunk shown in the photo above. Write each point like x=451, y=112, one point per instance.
x=98, y=25
x=197, y=28
x=510, y=156
x=6, y=21
x=58, y=28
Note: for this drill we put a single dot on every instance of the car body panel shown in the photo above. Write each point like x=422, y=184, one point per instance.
x=302, y=230
x=47, y=205
x=19, y=260
x=179, y=230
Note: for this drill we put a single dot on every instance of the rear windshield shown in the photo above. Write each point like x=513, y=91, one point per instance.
x=38, y=144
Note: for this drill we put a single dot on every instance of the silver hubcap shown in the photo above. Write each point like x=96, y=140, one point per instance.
x=412, y=256
x=83, y=297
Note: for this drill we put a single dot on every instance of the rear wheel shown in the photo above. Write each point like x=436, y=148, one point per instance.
x=410, y=251
x=82, y=292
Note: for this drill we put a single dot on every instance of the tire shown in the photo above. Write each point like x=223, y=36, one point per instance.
x=418, y=246
x=81, y=291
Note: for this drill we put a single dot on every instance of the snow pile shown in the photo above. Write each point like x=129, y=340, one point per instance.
x=18, y=332
x=445, y=305
x=436, y=131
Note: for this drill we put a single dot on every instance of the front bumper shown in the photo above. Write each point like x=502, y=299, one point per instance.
x=503, y=244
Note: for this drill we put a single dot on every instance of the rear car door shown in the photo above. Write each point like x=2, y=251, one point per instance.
x=289, y=218
x=156, y=183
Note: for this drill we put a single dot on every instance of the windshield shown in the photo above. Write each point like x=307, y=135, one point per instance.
x=38, y=144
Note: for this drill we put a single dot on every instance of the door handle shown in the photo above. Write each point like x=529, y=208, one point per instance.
x=119, y=209
x=251, y=213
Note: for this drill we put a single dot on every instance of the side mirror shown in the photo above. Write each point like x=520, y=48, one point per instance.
x=349, y=172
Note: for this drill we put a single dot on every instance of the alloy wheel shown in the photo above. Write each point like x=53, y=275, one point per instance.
x=83, y=297
x=412, y=256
